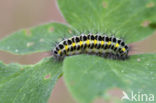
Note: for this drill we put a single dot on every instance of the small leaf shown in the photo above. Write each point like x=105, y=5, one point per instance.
x=88, y=77
x=36, y=39
x=28, y=84
x=130, y=19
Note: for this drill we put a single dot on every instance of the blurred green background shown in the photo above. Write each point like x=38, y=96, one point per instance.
x=18, y=14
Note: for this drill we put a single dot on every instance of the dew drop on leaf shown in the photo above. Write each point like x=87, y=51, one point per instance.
x=151, y=73
x=138, y=59
x=30, y=44
x=122, y=71
x=153, y=78
x=41, y=40
x=16, y=50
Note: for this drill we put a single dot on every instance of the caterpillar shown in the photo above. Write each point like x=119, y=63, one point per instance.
x=93, y=44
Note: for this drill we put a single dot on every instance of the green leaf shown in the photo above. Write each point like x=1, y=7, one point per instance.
x=36, y=39
x=28, y=84
x=126, y=18
x=88, y=77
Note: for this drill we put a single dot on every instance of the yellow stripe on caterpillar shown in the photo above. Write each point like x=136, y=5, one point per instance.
x=66, y=47
x=95, y=42
x=88, y=41
x=59, y=52
x=81, y=43
x=73, y=44
x=116, y=45
x=123, y=49
x=102, y=42
x=109, y=43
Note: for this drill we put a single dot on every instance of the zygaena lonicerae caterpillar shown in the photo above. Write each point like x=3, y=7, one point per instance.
x=94, y=44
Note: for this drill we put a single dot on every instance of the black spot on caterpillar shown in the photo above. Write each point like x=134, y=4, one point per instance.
x=93, y=44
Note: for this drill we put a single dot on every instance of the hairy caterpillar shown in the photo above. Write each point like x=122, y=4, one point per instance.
x=94, y=44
